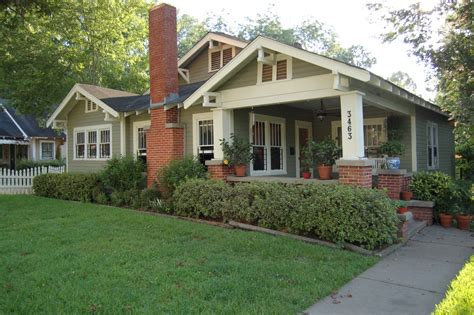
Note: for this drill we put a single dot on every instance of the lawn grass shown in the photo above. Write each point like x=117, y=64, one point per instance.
x=68, y=257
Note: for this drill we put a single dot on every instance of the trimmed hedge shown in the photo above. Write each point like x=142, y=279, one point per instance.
x=337, y=213
x=67, y=186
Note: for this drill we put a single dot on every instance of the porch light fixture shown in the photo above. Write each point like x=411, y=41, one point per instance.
x=321, y=114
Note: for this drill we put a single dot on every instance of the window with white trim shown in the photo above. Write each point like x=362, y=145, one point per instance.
x=93, y=143
x=281, y=70
x=220, y=56
x=47, y=150
x=203, y=142
x=267, y=135
x=140, y=129
x=432, y=145
x=91, y=106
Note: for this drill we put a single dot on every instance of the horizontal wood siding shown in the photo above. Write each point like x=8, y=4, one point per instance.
x=303, y=69
x=78, y=118
x=445, y=140
x=199, y=68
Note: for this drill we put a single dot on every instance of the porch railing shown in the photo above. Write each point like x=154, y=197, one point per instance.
x=376, y=163
x=17, y=182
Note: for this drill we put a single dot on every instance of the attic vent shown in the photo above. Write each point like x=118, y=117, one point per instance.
x=220, y=56
x=91, y=106
x=226, y=56
x=281, y=70
x=267, y=73
x=215, y=60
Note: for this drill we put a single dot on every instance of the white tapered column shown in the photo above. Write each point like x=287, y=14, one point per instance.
x=223, y=127
x=352, y=125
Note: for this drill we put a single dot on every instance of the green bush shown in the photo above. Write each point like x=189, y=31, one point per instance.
x=67, y=186
x=128, y=198
x=147, y=195
x=178, y=171
x=336, y=213
x=123, y=174
x=25, y=164
x=435, y=186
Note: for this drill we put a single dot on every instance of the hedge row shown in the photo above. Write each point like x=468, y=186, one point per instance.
x=337, y=213
x=67, y=186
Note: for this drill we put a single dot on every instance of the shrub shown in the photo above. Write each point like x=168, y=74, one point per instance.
x=160, y=205
x=201, y=198
x=25, y=164
x=434, y=186
x=178, y=171
x=123, y=174
x=237, y=151
x=129, y=198
x=67, y=186
x=147, y=195
x=102, y=198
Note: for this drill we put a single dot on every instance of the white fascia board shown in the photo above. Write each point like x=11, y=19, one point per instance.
x=259, y=42
x=205, y=42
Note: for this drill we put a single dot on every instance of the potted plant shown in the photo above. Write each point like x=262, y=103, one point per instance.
x=392, y=149
x=446, y=219
x=402, y=207
x=406, y=195
x=237, y=153
x=326, y=153
x=464, y=204
x=307, y=161
x=464, y=220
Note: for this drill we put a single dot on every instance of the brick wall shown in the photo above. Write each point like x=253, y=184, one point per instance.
x=219, y=171
x=392, y=183
x=422, y=214
x=356, y=175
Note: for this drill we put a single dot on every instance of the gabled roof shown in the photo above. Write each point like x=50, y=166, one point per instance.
x=203, y=43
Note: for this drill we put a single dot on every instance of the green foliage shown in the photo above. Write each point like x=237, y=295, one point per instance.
x=177, y=171
x=325, y=152
x=159, y=205
x=464, y=197
x=102, y=198
x=392, y=148
x=201, y=198
x=25, y=164
x=465, y=163
x=148, y=195
x=67, y=186
x=123, y=174
x=337, y=213
x=128, y=198
x=460, y=296
x=237, y=150
x=435, y=186
x=307, y=158
x=403, y=80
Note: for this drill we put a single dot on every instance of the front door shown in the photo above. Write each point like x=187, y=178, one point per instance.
x=303, y=133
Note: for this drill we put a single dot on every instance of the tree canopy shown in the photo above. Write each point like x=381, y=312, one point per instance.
x=402, y=79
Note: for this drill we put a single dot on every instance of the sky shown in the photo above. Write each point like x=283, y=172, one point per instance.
x=349, y=18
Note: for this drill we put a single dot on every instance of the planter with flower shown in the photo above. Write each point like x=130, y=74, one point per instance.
x=392, y=149
x=464, y=207
x=326, y=153
x=307, y=161
x=237, y=153
x=402, y=206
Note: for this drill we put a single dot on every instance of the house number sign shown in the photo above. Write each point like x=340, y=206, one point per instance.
x=349, y=125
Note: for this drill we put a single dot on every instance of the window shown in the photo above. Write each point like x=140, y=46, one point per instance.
x=281, y=70
x=267, y=135
x=203, y=139
x=47, y=150
x=1, y=152
x=432, y=145
x=140, y=129
x=220, y=56
x=91, y=106
x=93, y=143
x=21, y=152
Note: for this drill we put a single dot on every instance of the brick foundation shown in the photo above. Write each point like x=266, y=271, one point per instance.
x=356, y=173
x=220, y=171
x=403, y=230
x=422, y=214
x=394, y=182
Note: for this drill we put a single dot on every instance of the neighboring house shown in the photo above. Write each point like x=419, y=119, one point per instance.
x=21, y=138
x=277, y=96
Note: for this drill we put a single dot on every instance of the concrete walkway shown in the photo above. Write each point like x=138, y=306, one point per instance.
x=411, y=280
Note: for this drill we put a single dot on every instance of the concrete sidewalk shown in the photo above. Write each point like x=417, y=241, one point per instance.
x=412, y=280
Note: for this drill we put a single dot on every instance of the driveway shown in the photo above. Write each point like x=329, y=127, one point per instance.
x=411, y=280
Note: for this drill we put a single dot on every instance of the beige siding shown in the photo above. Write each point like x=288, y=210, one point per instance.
x=129, y=130
x=199, y=69
x=303, y=69
x=78, y=118
x=186, y=118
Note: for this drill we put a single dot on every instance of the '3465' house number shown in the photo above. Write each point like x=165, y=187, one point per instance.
x=349, y=125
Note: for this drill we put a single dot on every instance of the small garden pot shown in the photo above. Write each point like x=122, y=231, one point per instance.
x=325, y=172
x=240, y=170
x=464, y=222
x=446, y=220
x=402, y=210
x=406, y=195
x=306, y=175
x=393, y=162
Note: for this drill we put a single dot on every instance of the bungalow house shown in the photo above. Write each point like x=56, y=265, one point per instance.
x=21, y=138
x=276, y=95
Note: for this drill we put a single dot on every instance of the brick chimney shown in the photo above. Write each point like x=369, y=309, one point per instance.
x=165, y=138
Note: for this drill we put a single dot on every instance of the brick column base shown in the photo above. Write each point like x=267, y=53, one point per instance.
x=403, y=230
x=422, y=210
x=394, y=181
x=355, y=172
x=217, y=170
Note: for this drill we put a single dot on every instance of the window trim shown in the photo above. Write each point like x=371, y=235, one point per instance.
x=41, y=149
x=269, y=119
x=86, y=129
x=279, y=57
x=196, y=119
x=220, y=48
x=432, y=126
x=367, y=121
x=135, y=126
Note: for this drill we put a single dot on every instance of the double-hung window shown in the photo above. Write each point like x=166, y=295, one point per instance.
x=47, y=150
x=432, y=145
x=140, y=129
x=267, y=135
x=92, y=143
x=203, y=126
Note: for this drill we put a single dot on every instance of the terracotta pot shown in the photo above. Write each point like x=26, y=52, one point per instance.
x=402, y=210
x=464, y=221
x=325, y=172
x=446, y=220
x=406, y=195
x=306, y=175
x=240, y=170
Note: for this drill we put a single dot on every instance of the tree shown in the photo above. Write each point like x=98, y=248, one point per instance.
x=450, y=56
x=47, y=48
x=403, y=79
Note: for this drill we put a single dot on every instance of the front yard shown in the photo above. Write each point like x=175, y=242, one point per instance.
x=68, y=257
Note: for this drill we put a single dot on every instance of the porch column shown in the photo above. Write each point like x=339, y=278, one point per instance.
x=352, y=126
x=223, y=127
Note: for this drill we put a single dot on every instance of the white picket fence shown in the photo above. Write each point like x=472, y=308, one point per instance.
x=19, y=182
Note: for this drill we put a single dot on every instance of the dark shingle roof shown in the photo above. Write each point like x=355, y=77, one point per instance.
x=7, y=126
x=142, y=102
